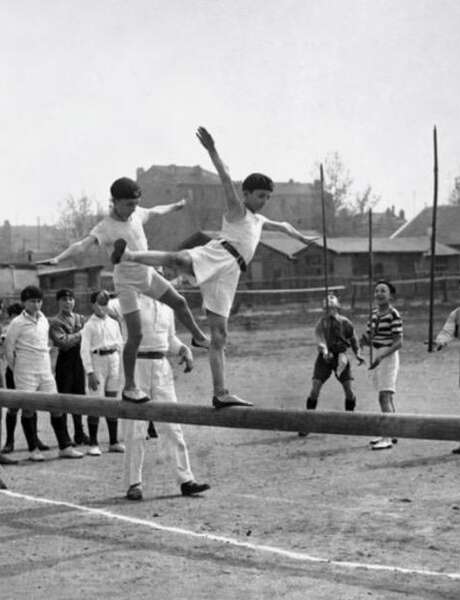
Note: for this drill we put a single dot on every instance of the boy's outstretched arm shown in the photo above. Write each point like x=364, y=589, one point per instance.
x=234, y=203
x=289, y=230
x=165, y=209
x=74, y=249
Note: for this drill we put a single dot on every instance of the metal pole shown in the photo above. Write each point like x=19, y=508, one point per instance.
x=433, y=240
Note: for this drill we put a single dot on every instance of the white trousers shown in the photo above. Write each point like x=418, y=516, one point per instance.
x=155, y=378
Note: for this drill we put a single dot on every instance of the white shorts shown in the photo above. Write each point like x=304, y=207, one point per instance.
x=107, y=370
x=217, y=274
x=155, y=285
x=384, y=376
x=34, y=382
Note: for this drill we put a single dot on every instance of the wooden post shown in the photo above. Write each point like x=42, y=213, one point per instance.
x=371, y=286
x=325, y=257
x=433, y=240
x=429, y=427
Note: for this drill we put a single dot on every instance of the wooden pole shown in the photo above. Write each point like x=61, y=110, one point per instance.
x=433, y=240
x=325, y=261
x=430, y=427
x=370, y=286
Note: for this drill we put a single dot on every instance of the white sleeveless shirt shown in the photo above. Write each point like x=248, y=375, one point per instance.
x=243, y=234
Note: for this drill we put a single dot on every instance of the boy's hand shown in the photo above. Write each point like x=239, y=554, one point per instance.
x=186, y=358
x=375, y=363
x=179, y=205
x=93, y=381
x=206, y=139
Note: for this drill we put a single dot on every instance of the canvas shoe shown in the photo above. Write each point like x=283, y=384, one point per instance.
x=117, y=447
x=70, y=452
x=226, y=399
x=119, y=248
x=36, y=456
x=383, y=444
x=94, y=451
x=136, y=395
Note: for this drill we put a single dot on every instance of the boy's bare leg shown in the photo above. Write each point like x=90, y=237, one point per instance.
x=222, y=398
x=182, y=310
x=133, y=325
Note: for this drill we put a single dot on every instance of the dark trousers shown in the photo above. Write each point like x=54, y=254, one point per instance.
x=70, y=379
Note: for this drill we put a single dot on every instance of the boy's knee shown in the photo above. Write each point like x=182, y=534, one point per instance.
x=218, y=337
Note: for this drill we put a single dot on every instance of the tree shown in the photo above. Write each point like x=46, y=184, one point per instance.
x=454, y=196
x=77, y=216
x=337, y=180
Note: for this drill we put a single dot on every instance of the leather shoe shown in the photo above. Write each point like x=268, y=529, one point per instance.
x=151, y=431
x=190, y=488
x=6, y=460
x=135, y=492
x=456, y=450
x=3, y=485
x=8, y=448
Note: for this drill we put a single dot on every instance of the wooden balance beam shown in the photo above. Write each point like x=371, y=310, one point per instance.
x=428, y=427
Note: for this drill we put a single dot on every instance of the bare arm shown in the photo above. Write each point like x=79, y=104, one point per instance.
x=447, y=333
x=396, y=345
x=287, y=229
x=75, y=249
x=235, y=206
x=165, y=209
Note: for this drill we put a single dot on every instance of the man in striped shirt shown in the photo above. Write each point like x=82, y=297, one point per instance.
x=384, y=333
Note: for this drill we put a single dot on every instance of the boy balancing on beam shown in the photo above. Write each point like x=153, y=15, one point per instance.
x=216, y=267
x=126, y=219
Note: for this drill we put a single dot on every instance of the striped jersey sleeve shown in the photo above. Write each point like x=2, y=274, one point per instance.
x=385, y=327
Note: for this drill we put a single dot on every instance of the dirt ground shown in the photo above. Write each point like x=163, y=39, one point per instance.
x=320, y=517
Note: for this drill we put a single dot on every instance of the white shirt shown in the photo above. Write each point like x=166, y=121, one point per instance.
x=99, y=333
x=132, y=231
x=27, y=343
x=244, y=234
x=158, y=326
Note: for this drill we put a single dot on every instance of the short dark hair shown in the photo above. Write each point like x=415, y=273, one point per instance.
x=95, y=295
x=14, y=309
x=257, y=181
x=389, y=285
x=31, y=292
x=64, y=292
x=125, y=189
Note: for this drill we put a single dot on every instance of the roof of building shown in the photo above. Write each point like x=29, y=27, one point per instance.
x=419, y=244
x=447, y=224
x=355, y=245
x=178, y=174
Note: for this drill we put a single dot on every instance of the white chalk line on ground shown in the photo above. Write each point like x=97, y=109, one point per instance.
x=299, y=556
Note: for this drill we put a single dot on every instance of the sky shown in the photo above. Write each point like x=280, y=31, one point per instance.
x=92, y=90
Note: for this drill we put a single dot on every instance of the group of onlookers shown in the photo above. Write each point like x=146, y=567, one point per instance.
x=86, y=360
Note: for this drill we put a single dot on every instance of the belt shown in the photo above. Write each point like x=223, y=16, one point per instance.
x=377, y=345
x=104, y=352
x=151, y=354
x=234, y=252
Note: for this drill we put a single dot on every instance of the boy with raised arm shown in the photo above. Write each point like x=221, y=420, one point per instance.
x=216, y=267
x=126, y=220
